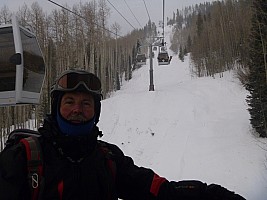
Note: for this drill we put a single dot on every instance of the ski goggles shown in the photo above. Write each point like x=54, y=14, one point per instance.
x=72, y=80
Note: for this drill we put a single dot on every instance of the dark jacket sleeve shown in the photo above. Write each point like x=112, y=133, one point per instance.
x=13, y=174
x=132, y=181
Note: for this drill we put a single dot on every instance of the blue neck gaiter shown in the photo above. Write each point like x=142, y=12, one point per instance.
x=71, y=129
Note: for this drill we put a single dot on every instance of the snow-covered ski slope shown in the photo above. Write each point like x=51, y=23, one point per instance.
x=188, y=128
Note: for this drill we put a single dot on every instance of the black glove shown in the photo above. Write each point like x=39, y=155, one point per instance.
x=195, y=190
x=188, y=189
x=217, y=192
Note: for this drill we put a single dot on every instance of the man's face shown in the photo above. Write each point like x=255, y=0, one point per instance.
x=77, y=107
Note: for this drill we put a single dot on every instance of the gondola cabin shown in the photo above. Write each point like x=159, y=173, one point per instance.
x=164, y=58
x=22, y=68
x=162, y=48
x=141, y=59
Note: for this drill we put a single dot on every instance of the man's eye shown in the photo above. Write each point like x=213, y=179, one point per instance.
x=87, y=103
x=68, y=102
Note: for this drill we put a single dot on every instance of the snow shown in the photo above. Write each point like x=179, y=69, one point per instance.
x=188, y=128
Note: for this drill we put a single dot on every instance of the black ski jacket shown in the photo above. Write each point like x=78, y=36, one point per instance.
x=78, y=168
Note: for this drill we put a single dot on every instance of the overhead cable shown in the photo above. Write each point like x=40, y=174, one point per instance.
x=147, y=11
x=121, y=15
x=83, y=17
x=133, y=14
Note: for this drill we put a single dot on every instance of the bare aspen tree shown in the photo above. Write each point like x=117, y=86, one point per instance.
x=5, y=15
x=103, y=13
x=116, y=28
x=263, y=41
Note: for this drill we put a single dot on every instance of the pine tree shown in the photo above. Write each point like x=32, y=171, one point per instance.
x=118, y=85
x=257, y=84
x=130, y=67
x=199, y=24
x=181, y=54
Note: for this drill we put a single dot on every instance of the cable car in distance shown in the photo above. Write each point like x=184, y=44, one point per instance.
x=153, y=54
x=164, y=58
x=162, y=48
x=141, y=59
x=22, y=68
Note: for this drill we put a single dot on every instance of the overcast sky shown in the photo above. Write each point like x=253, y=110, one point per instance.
x=125, y=7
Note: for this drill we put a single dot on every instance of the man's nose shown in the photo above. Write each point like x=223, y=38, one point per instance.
x=77, y=108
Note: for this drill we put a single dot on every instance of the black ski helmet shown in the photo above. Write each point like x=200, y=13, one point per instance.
x=76, y=80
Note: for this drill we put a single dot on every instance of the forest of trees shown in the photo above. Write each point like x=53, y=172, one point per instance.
x=220, y=36
x=216, y=34
x=228, y=35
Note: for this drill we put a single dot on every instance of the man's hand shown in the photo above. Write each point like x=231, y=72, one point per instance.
x=217, y=192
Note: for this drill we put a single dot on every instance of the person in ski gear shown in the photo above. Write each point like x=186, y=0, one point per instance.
x=73, y=165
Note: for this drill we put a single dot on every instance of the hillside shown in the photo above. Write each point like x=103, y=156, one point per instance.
x=188, y=128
